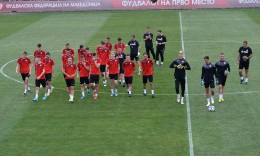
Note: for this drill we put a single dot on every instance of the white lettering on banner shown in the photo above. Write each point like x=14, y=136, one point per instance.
x=1, y=6
x=249, y=1
x=180, y=2
x=203, y=2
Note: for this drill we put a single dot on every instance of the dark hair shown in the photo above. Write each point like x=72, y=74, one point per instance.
x=38, y=56
x=25, y=52
x=94, y=54
x=81, y=46
x=245, y=42
x=67, y=44
x=159, y=30
x=48, y=53
x=102, y=42
x=145, y=54
x=119, y=39
x=206, y=57
x=87, y=48
x=148, y=27
x=82, y=57
x=108, y=38
x=127, y=54
x=222, y=53
x=133, y=36
x=39, y=45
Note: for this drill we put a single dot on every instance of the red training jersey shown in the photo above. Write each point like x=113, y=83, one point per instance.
x=64, y=59
x=113, y=66
x=70, y=69
x=119, y=47
x=93, y=69
x=81, y=52
x=39, y=67
x=24, y=63
x=71, y=51
x=83, y=72
x=39, y=53
x=108, y=46
x=147, y=65
x=129, y=68
x=88, y=57
x=103, y=54
x=49, y=63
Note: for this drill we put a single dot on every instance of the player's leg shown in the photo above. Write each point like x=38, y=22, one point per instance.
x=25, y=79
x=111, y=85
x=147, y=50
x=220, y=87
x=96, y=80
x=116, y=84
x=130, y=81
x=152, y=52
x=144, y=85
x=182, y=90
x=246, y=72
x=151, y=85
x=240, y=72
x=82, y=87
x=157, y=56
x=37, y=85
x=212, y=87
x=43, y=83
x=177, y=85
x=162, y=56
x=207, y=94
x=88, y=86
x=137, y=63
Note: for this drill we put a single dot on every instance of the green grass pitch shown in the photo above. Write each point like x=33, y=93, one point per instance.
x=136, y=126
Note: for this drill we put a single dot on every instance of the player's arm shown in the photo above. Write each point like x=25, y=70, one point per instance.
x=187, y=66
x=76, y=71
x=97, y=64
x=43, y=72
x=251, y=53
x=145, y=38
x=140, y=68
x=17, y=68
x=164, y=40
x=228, y=67
x=202, y=76
x=173, y=64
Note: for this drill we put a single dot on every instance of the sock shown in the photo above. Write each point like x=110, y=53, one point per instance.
x=83, y=93
x=25, y=91
x=130, y=92
x=119, y=81
x=112, y=91
x=161, y=63
x=212, y=97
x=123, y=81
x=49, y=90
x=246, y=79
x=95, y=91
x=72, y=97
x=241, y=78
x=127, y=90
x=157, y=62
x=208, y=99
x=36, y=96
x=152, y=91
x=88, y=90
x=28, y=88
x=144, y=91
x=116, y=90
x=182, y=98
x=178, y=96
x=45, y=94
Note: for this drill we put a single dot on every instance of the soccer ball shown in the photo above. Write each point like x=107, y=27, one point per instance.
x=211, y=108
x=226, y=72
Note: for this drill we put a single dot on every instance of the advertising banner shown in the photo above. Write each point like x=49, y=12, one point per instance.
x=77, y=5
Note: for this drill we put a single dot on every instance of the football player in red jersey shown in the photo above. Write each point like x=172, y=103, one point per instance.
x=39, y=52
x=49, y=72
x=113, y=68
x=94, y=74
x=88, y=56
x=120, y=54
x=119, y=46
x=147, y=67
x=129, y=68
x=24, y=68
x=39, y=78
x=72, y=53
x=81, y=52
x=108, y=44
x=103, y=54
x=64, y=58
x=70, y=70
x=83, y=68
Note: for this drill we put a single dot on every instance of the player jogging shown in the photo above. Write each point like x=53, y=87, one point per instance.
x=119, y=46
x=244, y=55
x=103, y=54
x=68, y=48
x=160, y=47
x=207, y=79
x=39, y=52
x=147, y=67
x=39, y=78
x=49, y=65
x=94, y=75
x=181, y=65
x=134, y=49
x=70, y=70
x=24, y=68
x=113, y=68
x=223, y=69
x=129, y=68
x=148, y=39
x=83, y=68
x=108, y=44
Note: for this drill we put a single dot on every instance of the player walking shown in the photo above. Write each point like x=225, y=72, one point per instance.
x=147, y=67
x=70, y=70
x=39, y=52
x=119, y=46
x=207, y=79
x=24, y=67
x=68, y=48
x=108, y=44
x=88, y=55
x=223, y=69
x=161, y=40
x=83, y=68
x=121, y=56
x=148, y=39
x=181, y=65
x=94, y=75
x=81, y=52
x=129, y=68
x=134, y=49
x=39, y=78
x=103, y=54
x=49, y=65
x=113, y=69
x=244, y=55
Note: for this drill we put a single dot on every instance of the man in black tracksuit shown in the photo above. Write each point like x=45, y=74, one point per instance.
x=180, y=65
x=161, y=40
x=148, y=39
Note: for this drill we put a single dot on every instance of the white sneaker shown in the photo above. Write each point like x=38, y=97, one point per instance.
x=182, y=100
x=208, y=104
x=178, y=98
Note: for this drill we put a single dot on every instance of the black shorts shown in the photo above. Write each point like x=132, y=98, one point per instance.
x=113, y=76
x=149, y=77
x=222, y=80
x=84, y=80
x=129, y=80
x=210, y=84
x=40, y=82
x=102, y=68
x=48, y=76
x=121, y=71
x=94, y=79
x=134, y=57
x=70, y=82
x=24, y=76
x=243, y=65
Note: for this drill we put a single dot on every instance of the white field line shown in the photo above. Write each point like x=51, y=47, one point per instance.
x=187, y=96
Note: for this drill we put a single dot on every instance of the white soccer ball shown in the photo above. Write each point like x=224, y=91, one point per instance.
x=211, y=108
